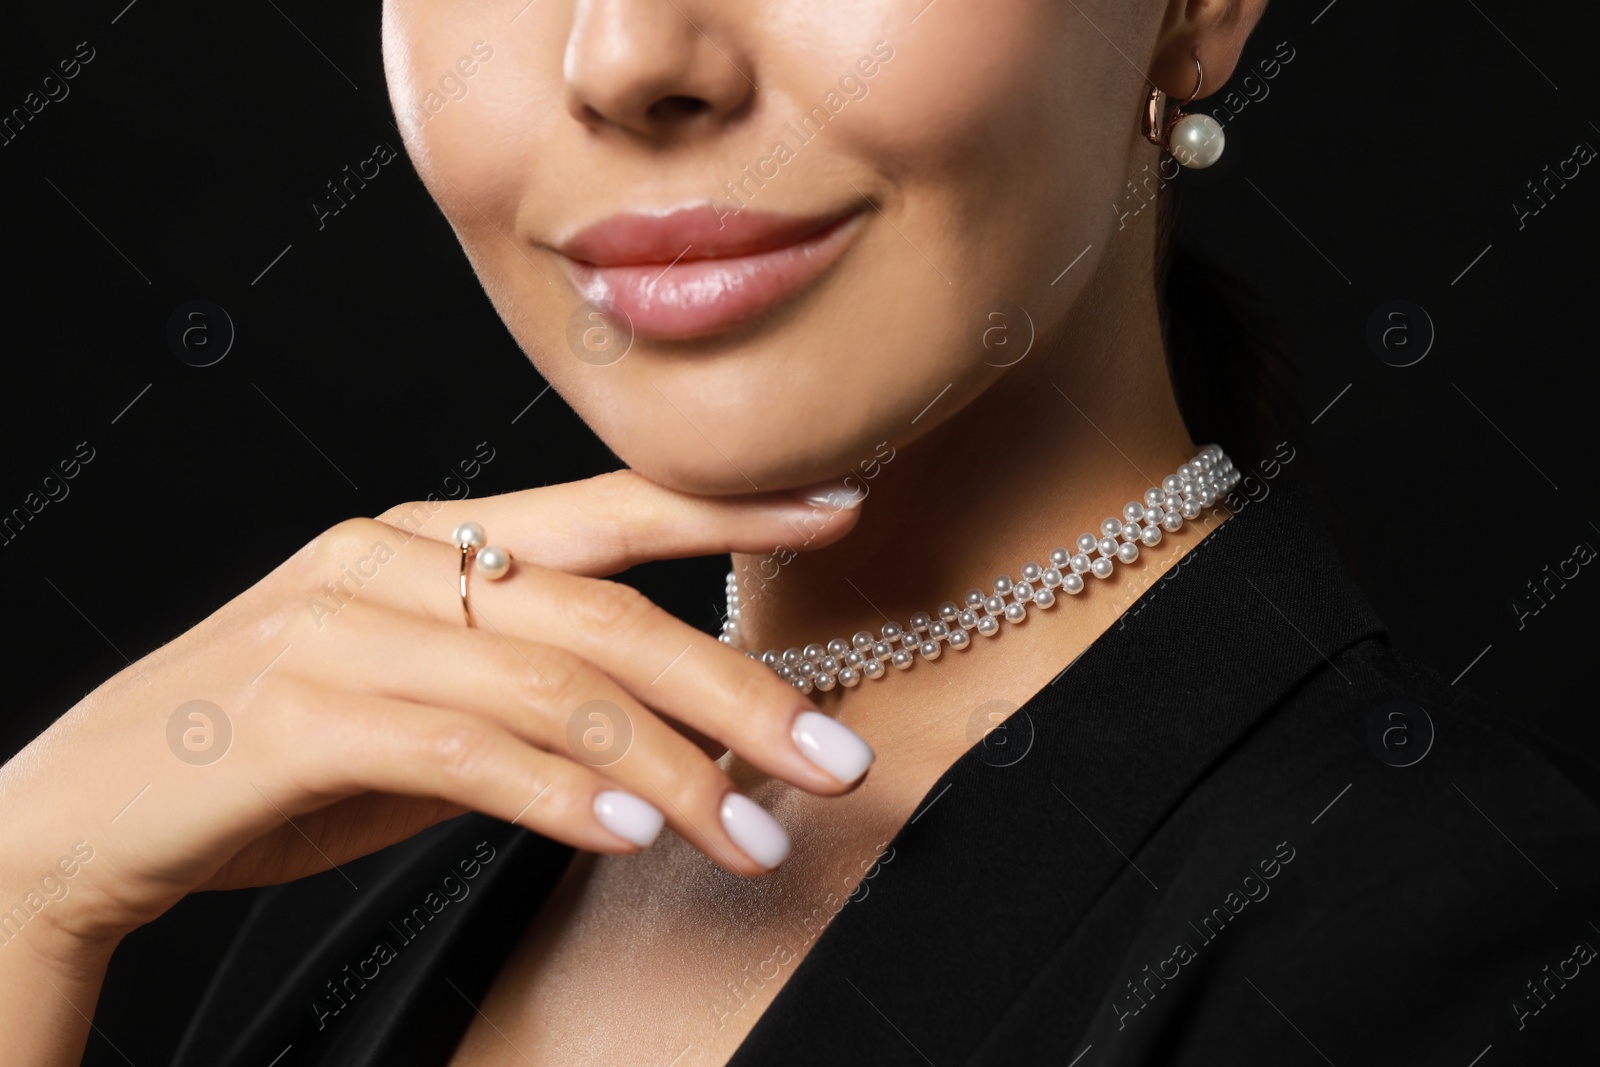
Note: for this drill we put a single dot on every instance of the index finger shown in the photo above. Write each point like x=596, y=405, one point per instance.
x=606, y=524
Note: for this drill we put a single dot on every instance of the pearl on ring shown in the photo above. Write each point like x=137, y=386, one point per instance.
x=494, y=562
x=470, y=534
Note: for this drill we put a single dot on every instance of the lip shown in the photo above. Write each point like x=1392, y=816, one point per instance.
x=697, y=271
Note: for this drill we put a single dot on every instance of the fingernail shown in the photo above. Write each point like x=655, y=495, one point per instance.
x=831, y=745
x=841, y=494
x=628, y=817
x=754, y=831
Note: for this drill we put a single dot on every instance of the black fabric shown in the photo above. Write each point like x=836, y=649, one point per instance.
x=1200, y=858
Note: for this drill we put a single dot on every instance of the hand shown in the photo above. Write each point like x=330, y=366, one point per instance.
x=362, y=709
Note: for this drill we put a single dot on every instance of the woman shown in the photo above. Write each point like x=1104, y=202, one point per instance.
x=838, y=284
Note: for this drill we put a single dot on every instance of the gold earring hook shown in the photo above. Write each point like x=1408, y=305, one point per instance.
x=1155, y=131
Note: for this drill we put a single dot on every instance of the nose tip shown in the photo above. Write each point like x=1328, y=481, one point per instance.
x=646, y=67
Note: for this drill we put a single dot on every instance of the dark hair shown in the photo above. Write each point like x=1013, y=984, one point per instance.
x=1225, y=346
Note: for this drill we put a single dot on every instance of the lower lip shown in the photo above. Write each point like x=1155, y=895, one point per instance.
x=697, y=297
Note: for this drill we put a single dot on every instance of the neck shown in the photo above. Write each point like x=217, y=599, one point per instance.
x=1085, y=423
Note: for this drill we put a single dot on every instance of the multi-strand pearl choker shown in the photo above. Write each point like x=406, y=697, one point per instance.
x=1200, y=483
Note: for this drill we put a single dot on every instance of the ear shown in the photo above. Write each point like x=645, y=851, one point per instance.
x=1218, y=29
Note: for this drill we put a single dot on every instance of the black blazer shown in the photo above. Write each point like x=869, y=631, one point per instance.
x=1238, y=829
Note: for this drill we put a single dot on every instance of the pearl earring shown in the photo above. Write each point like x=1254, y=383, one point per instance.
x=1195, y=141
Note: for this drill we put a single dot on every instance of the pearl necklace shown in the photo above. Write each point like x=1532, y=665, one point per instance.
x=1200, y=483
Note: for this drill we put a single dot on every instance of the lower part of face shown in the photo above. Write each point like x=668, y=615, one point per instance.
x=879, y=201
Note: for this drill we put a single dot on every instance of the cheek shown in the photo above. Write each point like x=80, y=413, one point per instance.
x=471, y=138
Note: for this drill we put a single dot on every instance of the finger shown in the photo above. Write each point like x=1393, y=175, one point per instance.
x=606, y=524
x=659, y=660
x=550, y=698
x=378, y=744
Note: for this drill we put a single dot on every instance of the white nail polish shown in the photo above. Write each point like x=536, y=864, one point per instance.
x=831, y=745
x=628, y=817
x=841, y=495
x=753, y=830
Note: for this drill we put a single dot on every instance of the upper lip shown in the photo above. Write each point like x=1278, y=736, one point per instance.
x=702, y=231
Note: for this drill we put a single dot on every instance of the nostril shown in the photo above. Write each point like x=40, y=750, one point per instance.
x=678, y=108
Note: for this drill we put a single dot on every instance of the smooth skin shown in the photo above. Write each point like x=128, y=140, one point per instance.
x=988, y=154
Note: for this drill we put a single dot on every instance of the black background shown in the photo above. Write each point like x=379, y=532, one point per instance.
x=1382, y=163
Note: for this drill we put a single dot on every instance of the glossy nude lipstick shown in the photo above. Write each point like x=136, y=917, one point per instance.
x=699, y=271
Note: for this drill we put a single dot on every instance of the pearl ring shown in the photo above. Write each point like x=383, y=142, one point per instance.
x=492, y=560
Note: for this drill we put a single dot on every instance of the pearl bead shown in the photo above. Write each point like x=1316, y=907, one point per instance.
x=1181, y=496
x=1196, y=141
x=493, y=561
x=469, y=534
